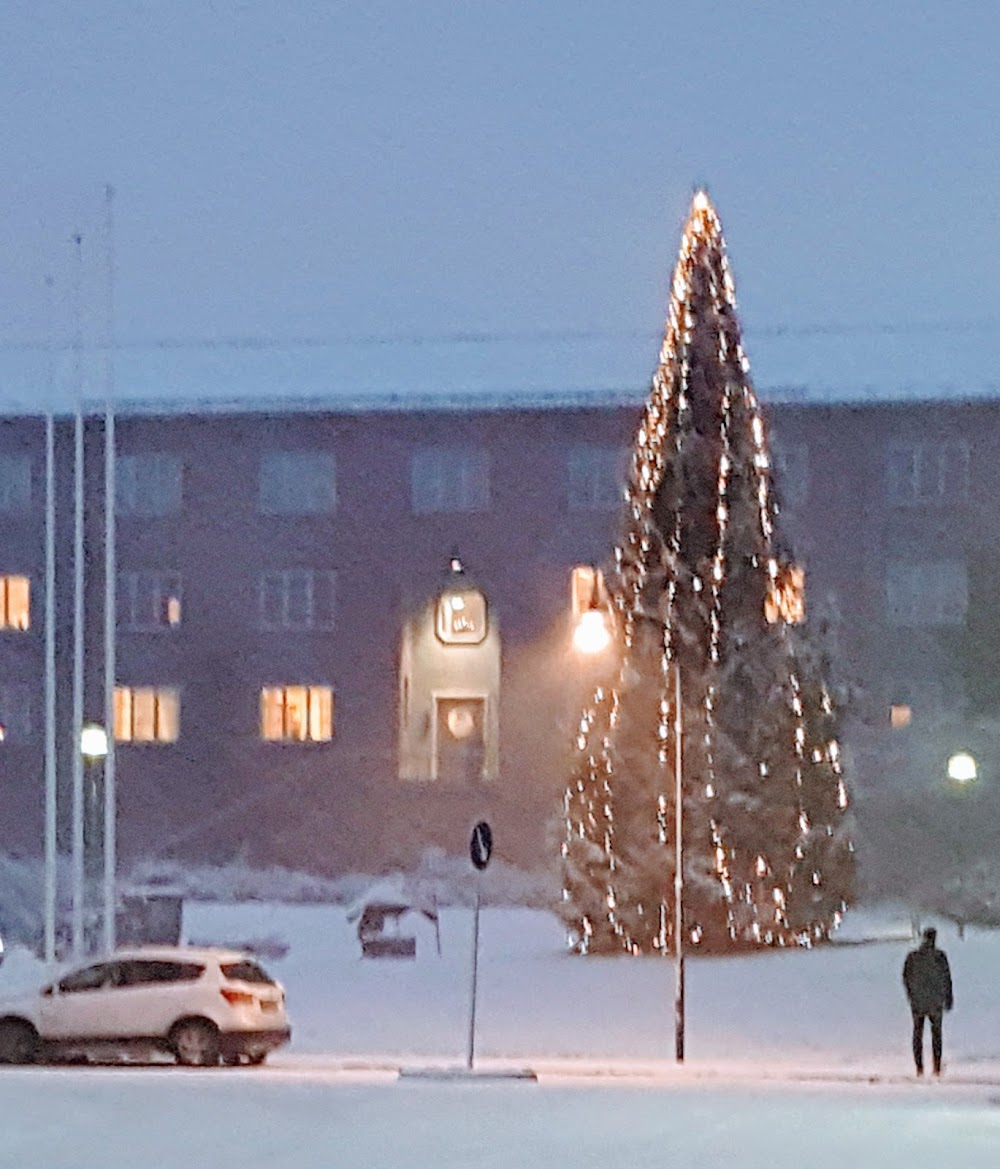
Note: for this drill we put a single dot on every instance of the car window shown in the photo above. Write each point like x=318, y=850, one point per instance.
x=144, y=971
x=246, y=971
x=89, y=978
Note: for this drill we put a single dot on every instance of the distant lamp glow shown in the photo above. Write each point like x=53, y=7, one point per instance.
x=592, y=628
x=93, y=742
x=962, y=768
x=592, y=635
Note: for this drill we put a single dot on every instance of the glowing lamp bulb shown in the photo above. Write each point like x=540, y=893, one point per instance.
x=93, y=741
x=962, y=768
x=591, y=635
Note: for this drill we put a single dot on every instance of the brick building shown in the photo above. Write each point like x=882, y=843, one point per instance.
x=289, y=689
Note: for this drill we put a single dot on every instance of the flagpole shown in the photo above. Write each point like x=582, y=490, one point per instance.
x=110, y=584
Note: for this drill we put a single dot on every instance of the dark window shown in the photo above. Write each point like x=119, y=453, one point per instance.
x=148, y=485
x=15, y=483
x=245, y=971
x=141, y=972
x=298, y=483
x=89, y=978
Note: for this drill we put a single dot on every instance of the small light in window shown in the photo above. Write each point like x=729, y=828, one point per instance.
x=900, y=715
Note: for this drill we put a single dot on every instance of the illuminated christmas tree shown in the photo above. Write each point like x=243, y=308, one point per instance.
x=706, y=606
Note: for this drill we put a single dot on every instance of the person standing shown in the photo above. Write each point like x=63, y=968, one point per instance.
x=927, y=978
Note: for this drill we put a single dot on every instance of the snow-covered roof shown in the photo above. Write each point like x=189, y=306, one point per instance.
x=838, y=364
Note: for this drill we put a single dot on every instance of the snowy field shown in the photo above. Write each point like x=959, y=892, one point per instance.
x=792, y=1059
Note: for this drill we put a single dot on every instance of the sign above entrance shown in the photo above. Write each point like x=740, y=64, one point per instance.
x=461, y=617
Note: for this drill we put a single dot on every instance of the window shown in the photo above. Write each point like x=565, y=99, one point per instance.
x=296, y=714
x=147, y=714
x=149, y=600
x=246, y=971
x=928, y=472
x=89, y=978
x=596, y=480
x=15, y=483
x=15, y=714
x=297, y=483
x=786, y=596
x=900, y=715
x=147, y=971
x=791, y=466
x=586, y=590
x=931, y=593
x=450, y=479
x=15, y=602
x=298, y=598
x=148, y=485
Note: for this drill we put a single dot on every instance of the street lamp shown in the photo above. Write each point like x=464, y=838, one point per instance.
x=962, y=768
x=592, y=632
x=93, y=742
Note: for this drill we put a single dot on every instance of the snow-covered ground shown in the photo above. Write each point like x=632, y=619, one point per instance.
x=797, y=1058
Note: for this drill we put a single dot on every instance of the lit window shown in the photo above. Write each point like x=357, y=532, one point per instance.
x=928, y=472
x=928, y=593
x=786, y=596
x=147, y=714
x=900, y=715
x=596, y=479
x=148, y=485
x=445, y=479
x=15, y=483
x=791, y=472
x=296, y=714
x=298, y=598
x=149, y=600
x=586, y=590
x=15, y=714
x=297, y=483
x=15, y=602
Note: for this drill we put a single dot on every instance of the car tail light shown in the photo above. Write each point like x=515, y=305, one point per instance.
x=237, y=998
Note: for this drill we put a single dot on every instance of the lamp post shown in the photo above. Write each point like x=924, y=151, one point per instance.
x=93, y=754
x=592, y=635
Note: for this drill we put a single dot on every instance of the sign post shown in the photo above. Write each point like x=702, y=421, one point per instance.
x=480, y=848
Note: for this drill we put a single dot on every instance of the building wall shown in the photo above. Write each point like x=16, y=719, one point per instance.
x=220, y=791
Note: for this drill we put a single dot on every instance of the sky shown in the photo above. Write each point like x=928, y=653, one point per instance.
x=414, y=173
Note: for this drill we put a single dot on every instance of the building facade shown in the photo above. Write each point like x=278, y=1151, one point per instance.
x=343, y=635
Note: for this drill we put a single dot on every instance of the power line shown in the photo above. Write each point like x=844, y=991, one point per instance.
x=499, y=337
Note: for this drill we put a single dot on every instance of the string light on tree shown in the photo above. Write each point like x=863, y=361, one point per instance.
x=701, y=582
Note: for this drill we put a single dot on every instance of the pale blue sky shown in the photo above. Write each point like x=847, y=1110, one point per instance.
x=411, y=169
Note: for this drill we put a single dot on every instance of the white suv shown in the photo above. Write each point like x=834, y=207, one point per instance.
x=199, y=1005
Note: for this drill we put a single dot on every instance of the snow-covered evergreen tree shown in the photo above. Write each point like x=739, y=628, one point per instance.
x=706, y=605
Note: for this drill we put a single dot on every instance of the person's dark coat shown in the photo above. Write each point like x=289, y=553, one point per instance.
x=927, y=978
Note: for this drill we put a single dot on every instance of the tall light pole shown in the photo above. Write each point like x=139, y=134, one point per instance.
x=51, y=787
x=109, y=834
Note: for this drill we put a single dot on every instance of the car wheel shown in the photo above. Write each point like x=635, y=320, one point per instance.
x=18, y=1042
x=195, y=1043
x=256, y=1058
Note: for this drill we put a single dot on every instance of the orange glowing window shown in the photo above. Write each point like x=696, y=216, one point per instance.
x=786, y=598
x=900, y=715
x=147, y=714
x=15, y=602
x=296, y=714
